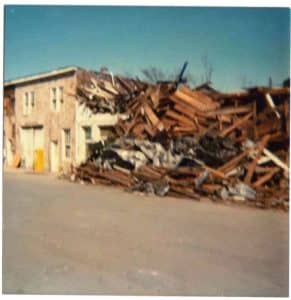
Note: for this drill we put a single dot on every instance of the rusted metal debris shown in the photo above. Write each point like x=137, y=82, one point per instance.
x=187, y=143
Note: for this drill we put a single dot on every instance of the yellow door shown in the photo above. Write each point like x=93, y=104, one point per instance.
x=39, y=160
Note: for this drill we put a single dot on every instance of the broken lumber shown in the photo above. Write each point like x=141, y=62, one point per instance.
x=236, y=124
x=253, y=165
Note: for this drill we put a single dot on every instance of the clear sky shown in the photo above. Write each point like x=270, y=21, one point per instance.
x=250, y=43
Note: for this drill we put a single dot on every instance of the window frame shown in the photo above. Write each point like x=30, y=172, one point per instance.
x=53, y=99
x=87, y=137
x=56, y=98
x=32, y=101
x=26, y=103
x=61, y=95
x=67, y=143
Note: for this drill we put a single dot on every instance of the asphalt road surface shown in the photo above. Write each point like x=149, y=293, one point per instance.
x=66, y=238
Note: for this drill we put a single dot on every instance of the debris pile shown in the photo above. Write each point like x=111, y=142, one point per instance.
x=103, y=92
x=187, y=143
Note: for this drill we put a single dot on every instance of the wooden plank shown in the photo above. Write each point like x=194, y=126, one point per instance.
x=181, y=97
x=238, y=123
x=133, y=122
x=187, y=111
x=268, y=127
x=153, y=117
x=168, y=123
x=177, y=100
x=185, y=129
x=150, y=170
x=272, y=105
x=263, y=170
x=215, y=173
x=234, y=96
x=208, y=129
x=124, y=83
x=263, y=179
x=255, y=120
x=184, y=110
x=276, y=160
x=109, y=88
x=275, y=91
x=225, y=118
x=184, y=191
x=149, y=129
x=230, y=110
x=117, y=176
x=138, y=128
x=190, y=108
x=189, y=100
x=154, y=95
x=220, y=126
x=210, y=188
x=231, y=164
x=179, y=118
x=142, y=175
x=253, y=165
x=205, y=100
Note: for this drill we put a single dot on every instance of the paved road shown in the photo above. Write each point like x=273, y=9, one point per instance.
x=65, y=238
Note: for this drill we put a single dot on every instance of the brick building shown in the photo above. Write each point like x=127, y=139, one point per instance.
x=43, y=114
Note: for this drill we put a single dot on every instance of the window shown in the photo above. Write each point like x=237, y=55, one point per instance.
x=87, y=132
x=25, y=103
x=28, y=103
x=32, y=99
x=57, y=98
x=32, y=102
x=54, y=99
x=61, y=94
x=67, y=143
x=106, y=132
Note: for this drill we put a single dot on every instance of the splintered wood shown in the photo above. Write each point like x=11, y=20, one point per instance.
x=256, y=121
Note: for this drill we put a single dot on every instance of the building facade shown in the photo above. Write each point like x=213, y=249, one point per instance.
x=49, y=120
x=91, y=128
x=9, y=125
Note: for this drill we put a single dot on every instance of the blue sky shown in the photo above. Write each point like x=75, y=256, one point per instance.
x=250, y=43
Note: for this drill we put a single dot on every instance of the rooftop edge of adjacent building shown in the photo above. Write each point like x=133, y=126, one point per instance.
x=41, y=75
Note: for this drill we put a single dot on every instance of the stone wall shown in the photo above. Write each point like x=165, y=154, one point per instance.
x=42, y=114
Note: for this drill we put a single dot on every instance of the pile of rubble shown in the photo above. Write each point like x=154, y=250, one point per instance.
x=102, y=92
x=187, y=143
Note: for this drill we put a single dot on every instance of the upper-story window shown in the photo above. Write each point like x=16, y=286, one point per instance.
x=28, y=103
x=32, y=100
x=61, y=95
x=54, y=99
x=57, y=98
x=25, y=104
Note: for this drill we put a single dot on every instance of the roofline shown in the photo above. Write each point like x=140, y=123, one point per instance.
x=39, y=76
